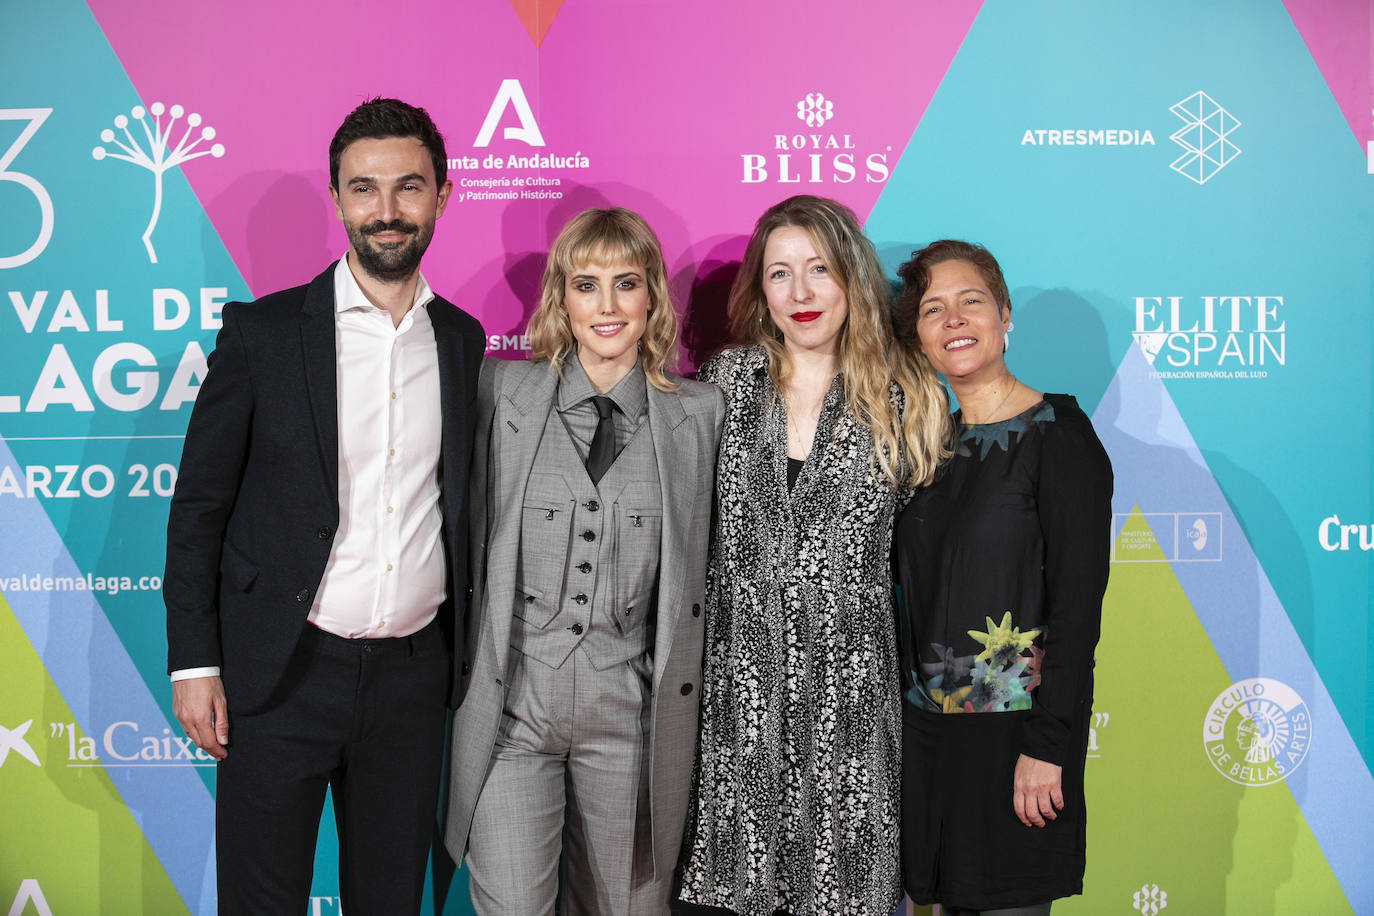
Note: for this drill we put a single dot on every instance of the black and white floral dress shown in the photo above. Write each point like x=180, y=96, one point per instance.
x=795, y=791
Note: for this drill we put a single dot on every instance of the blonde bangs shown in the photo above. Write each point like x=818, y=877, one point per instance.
x=604, y=238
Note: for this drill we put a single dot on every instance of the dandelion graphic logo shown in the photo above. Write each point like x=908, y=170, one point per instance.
x=1150, y=899
x=815, y=109
x=160, y=157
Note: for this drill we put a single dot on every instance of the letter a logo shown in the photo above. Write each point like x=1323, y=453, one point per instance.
x=510, y=93
x=30, y=892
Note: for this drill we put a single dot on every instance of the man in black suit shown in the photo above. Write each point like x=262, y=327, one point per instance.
x=316, y=544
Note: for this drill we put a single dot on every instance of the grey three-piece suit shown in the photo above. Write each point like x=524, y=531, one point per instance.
x=586, y=638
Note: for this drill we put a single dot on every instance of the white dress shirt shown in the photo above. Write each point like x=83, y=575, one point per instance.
x=386, y=571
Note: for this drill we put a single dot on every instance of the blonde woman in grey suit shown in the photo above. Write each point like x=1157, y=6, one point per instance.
x=591, y=500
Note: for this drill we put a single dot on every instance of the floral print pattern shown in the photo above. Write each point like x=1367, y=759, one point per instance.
x=795, y=790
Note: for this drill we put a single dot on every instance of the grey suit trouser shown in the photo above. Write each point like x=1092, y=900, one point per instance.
x=566, y=796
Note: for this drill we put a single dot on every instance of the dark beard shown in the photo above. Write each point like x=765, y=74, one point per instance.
x=393, y=261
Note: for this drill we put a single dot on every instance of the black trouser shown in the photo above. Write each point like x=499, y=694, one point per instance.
x=364, y=717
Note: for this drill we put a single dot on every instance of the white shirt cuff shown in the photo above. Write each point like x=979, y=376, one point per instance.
x=186, y=674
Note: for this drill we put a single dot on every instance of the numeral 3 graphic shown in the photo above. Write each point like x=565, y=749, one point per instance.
x=35, y=117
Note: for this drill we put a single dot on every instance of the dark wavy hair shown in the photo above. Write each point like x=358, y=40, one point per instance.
x=915, y=276
x=378, y=118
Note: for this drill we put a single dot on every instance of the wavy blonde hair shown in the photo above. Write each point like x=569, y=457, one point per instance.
x=909, y=445
x=604, y=237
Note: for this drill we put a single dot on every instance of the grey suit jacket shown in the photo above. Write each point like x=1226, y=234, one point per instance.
x=514, y=400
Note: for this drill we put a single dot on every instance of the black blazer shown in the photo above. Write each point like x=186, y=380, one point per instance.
x=257, y=496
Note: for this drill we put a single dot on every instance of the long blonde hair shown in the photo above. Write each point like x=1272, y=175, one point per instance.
x=611, y=236
x=909, y=446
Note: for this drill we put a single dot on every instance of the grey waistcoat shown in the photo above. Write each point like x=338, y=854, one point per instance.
x=588, y=553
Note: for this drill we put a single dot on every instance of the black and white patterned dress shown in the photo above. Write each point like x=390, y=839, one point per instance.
x=795, y=792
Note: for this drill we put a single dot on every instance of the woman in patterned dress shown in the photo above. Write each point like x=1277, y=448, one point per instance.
x=795, y=806
x=1002, y=563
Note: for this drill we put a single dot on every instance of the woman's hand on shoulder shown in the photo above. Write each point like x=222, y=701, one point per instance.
x=1037, y=791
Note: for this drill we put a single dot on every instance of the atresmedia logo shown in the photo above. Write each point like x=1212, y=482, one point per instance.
x=1204, y=137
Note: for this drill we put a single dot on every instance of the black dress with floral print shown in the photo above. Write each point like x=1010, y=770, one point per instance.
x=794, y=804
x=1002, y=564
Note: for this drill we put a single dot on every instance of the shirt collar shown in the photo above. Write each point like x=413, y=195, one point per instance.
x=629, y=394
x=349, y=295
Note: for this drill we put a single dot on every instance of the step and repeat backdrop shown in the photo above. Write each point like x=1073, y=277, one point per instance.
x=1181, y=195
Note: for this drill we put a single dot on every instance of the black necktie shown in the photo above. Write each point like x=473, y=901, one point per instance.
x=602, y=453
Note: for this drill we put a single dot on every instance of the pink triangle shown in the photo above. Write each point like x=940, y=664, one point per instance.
x=1338, y=35
x=670, y=124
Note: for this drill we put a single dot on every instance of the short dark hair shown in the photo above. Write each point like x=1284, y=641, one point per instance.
x=915, y=276
x=379, y=118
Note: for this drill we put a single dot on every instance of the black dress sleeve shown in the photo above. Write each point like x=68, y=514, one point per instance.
x=1074, y=494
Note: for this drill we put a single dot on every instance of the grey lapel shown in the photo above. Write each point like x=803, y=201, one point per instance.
x=517, y=424
x=675, y=448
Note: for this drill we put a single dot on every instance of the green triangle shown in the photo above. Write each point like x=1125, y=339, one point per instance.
x=1152, y=775
x=66, y=827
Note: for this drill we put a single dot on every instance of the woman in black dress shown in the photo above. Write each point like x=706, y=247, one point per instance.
x=1002, y=564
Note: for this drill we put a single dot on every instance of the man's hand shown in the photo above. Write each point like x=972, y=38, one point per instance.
x=199, y=706
x=1037, y=792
